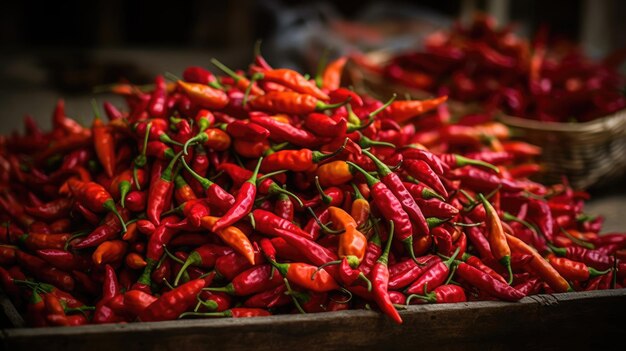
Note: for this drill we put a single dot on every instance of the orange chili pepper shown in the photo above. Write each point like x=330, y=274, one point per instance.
x=402, y=111
x=135, y=261
x=539, y=265
x=109, y=251
x=104, y=144
x=497, y=239
x=331, y=78
x=131, y=232
x=292, y=80
x=232, y=236
x=360, y=209
x=251, y=149
x=334, y=173
x=203, y=95
x=352, y=243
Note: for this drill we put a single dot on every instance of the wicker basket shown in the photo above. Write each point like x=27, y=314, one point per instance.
x=589, y=154
x=377, y=86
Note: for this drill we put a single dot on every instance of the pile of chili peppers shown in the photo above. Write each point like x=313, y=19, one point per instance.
x=267, y=192
x=501, y=71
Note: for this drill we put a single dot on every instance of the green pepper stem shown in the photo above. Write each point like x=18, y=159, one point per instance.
x=371, y=180
x=204, y=182
x=320, y=106
x=366, y=142
x=277, y=189
x=226, y=70
x=464, y=161
x=325, y=197
x=255, y=174
x=319, y=156
x=110, y=206
x=384, y=258
x=321, y=64
x=322, y=225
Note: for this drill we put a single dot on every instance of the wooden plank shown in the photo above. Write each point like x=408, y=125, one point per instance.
x=573, y=320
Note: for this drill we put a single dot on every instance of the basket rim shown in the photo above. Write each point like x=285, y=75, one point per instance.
x=520, y=122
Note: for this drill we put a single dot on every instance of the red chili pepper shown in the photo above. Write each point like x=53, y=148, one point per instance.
x=421, y=171
x=269, y=224
x=390, y=207
x=487, y=283
x=195, y=74
x=42, y=271
x=433, y=276
x=594, y=258
x=109, y=229
x=395, y=184
x=399, y=279
x=243, y=202
x=442, y=294
x=252, y=281
x=94, y=197
x=271, y=298
x=160, y=193
x=173, y=303
x=204, y=256
x=379, y=276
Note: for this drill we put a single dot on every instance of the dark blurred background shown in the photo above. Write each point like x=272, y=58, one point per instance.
x=52, y=49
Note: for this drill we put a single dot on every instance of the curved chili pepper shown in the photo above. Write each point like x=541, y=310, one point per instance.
x=243, y=202
x=487, y=283
x=204, y=256
x=292, y=80
x=204, y=95
x=173, y=303
x=104, y=144
x=390, y=207
x=394, y=183
x=399, y=279
x=433, y=276
x=232, y=236
x=252, y=281
x=55, y=209
x=594, y=258
x=573, y=270
x=539, y=265
x=268, y=223
x=109, y=252
x=95, y=197
x=442, y=294
x=421, y=171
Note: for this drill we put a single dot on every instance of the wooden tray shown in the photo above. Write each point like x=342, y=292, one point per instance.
x=571, y=320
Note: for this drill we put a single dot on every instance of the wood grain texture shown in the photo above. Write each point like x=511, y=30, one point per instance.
x=573, y=320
